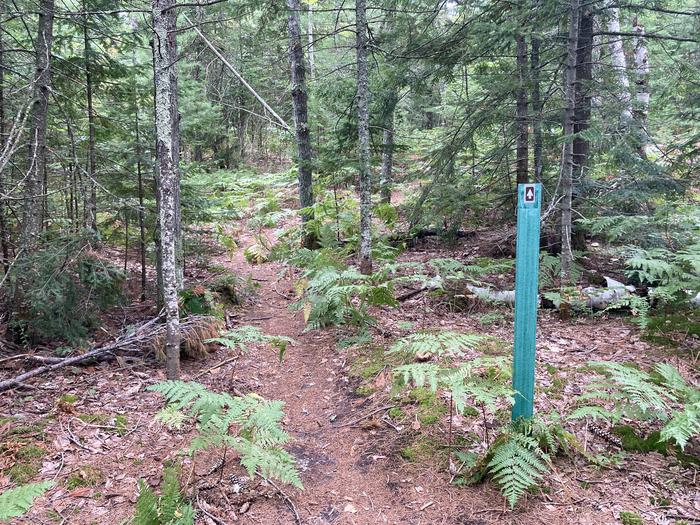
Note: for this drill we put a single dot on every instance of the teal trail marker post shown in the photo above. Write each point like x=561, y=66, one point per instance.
x=527, y=258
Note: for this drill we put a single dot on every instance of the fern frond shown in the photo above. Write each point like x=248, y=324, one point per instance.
x=146, y=506
x=517, y=464
x=17, y=501
x=420, y=374
x=258, y=421
x=268, y=462
x=439, y=343
x=242, y=336
x=684, y=424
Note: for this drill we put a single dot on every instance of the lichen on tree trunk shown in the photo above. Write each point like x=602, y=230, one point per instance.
x=168, y=180
x=363, y=139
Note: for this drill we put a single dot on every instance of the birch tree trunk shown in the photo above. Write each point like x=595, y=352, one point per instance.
x=167, y=177
x=363, y=139
x=567, y=152
x=301, y=125
x=619, y=63
x=171, y=23
x=33, y=198
x=521, y=117
x=90, y=205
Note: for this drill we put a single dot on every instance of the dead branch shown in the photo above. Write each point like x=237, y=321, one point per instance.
x=132, y=339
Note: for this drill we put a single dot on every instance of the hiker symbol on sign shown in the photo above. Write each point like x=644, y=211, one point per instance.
x=530, y=193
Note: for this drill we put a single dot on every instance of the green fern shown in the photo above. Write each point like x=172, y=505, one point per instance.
x=672, y=276
x=479, y=380
x=259, y=439
x=334, y=296
x=166, y=509
x=17, y=501
x=638, y=306
x=683, y=425
x=662, y=395
x=242, y=336
x=438, y=343
x=517, y=463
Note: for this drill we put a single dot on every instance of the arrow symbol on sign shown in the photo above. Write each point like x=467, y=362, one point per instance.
x=529, y=194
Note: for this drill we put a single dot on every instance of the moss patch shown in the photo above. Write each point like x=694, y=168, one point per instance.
x=631, y=518
x=632, y=442
x=368, y=364
x=396, y=414
x=430, y=407
x=94, y=419
x=422, y=449
x=68, y=398
x=87, y=476
x=23, y=473
x=29, y=429
x=364, y=390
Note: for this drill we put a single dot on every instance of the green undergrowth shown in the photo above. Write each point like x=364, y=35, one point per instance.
x=668, y=330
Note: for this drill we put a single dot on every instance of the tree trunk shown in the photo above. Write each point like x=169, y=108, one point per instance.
x=363, y=140
x=90, y=205
x=641, y=81
x=521, y=117
x=168, y=178
x=567, y=154
x=619, y=63
x=536, y=109
x=142, y=211
x=301, y=114
x=385, y=180
x=171, y=22
x=582, y=113
x=310, y=31
x=33, y=199
x=4, y=235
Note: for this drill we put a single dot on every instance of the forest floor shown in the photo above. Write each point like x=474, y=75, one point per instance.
x=92, y=429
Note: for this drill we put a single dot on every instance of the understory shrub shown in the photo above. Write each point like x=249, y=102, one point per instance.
x=60, y=290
